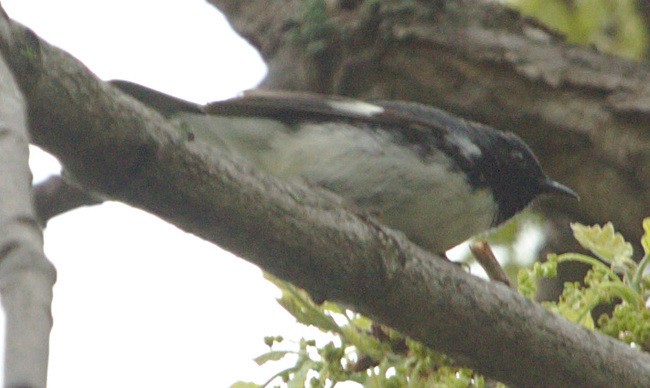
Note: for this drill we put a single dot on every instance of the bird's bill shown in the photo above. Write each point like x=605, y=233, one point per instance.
x=552, y=187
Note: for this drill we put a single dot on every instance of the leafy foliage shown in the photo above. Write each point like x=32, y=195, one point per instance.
x=614, y=277
x=613, y=26
x=363, y=352
x=376, y=356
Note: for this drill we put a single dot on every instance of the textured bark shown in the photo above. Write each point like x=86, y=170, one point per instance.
x=26, y=276
x=583, y=112
x=115, y=146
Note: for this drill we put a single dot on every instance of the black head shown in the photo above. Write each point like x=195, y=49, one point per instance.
x=509, y=167
x=490, y=158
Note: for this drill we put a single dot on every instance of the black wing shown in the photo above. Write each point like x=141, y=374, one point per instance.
x=295, y=106
x=423, y=128
x=417, y=122
x=164, y=103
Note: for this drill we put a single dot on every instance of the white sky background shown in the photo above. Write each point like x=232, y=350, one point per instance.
x=137, y=302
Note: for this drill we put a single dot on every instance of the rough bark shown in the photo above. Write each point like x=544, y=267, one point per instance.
x=116, y=147
x=26, y=276
x=583, y=112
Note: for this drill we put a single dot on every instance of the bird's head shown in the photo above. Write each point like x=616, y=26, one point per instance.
x=509, y=167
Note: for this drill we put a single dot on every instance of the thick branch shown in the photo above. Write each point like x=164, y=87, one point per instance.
x=584, y=113
x=26, y=277
x=117, y=147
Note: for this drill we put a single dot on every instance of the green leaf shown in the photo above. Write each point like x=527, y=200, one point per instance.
x=645, y=240
x=605, y=243
x=270, y=340
x=571, y=313
x=628, y=323
x=300, y=376
x=365, y=343
x=527, y=279
x=613, y=26
x=243, y=384
x=308, y=314
x=298, y=303
x=274, y=355
x=333, y=307
x=527, y=283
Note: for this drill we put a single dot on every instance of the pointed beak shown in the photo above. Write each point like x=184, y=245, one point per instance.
x=552, y=187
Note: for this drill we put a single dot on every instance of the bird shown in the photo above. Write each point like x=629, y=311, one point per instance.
x=436, y=177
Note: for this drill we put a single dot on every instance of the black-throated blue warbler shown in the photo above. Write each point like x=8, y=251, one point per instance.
x=436, y=177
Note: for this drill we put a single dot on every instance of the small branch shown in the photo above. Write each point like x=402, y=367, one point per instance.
x=55, y=196
x=485, y=257
x=26, y=277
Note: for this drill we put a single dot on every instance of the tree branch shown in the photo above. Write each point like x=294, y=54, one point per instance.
x=117, y=147
x=26, y=277
x=56, y=195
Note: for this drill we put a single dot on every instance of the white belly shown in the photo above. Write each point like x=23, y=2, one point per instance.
x=434, y=207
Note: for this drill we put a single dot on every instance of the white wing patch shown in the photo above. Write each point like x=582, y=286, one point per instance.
x=468, y=149
x=356, y=107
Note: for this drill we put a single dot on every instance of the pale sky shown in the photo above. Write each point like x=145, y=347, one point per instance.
x=137, y=302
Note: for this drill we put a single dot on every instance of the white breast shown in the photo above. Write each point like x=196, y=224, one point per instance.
x=434, y=207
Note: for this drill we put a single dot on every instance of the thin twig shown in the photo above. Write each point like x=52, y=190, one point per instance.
x=485, y=257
